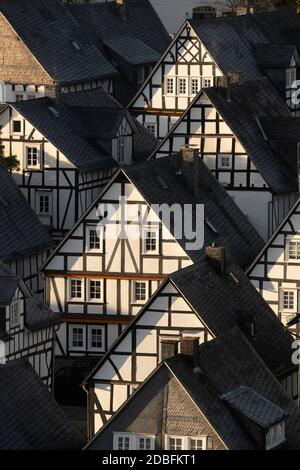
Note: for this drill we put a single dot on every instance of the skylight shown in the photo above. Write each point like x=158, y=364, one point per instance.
x=54, y=111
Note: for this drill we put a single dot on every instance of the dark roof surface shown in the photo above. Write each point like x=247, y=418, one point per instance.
x=249, y=102
x=56, y=39
x=225, y=301
x=38, y=315
x=21, y=233
x=273, y=55
x=104, y=22
x=76, y=125
x=227, y=363
x=255, y=406
x=282, y=129
x=132, y=50
x=8, y=284
x=159, y=182
x=30, y=418
x=229, y=40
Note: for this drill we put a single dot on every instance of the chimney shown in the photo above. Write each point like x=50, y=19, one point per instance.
x=189, y=346
x=190, y=154
x=121, y=8
x=53, y=92
x=227, y=80
x=216, y=257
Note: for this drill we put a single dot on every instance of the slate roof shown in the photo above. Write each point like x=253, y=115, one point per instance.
x=255, y=406
x=74, y=127
x=249, y=102
x=144, y=143
x=141, y=31
x=132, y=50
x=230, y=40
x=30, y=418
x=53, y=36
x=224, y=302
x=165, y=180
x=38, y=315
x=271, y=56
x=227, y=363
x=281, y=129
x=21, y=233
x=8, y=284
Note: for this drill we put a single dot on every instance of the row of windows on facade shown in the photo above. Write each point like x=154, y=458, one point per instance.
x=186, y=86
x=131, y=441
x=91, y=290
x=93, y=340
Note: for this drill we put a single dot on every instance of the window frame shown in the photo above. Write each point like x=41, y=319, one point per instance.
x=19, y=94
x=90, y=228
x=16, y=132
x=186, y=441
x=154, y=229
x=71, y=333
x=203, y=79
x=133, y=291
x=178, y=85
x=174, y=85
x=15, y=304
x=198, y=79
x=40, y=194
x=154, y=124
x=26, y=150
x=295, y=292
x=88, y=291
x=75, y=299
x=288, y=241
x=220, y=165
x=89, y=338
x=133, y=440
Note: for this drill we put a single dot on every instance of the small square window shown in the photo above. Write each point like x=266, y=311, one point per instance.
x=75, y=289
x=96, y=338
x=150, y=237
x=225, y=162
x=294, y=250
x=32, y=157
x=207, y=82
x=289, y=300
x=140, y=291
x=145, y=443
x=182, y=86
x=174, y=443
x=77, y=337
x=19, y=97
x=170, y=89
x=94, y=237
x=44, y=206
x=123, y=443
x=17, y=128
x=95, y=290
x=196, y=444
x=151, y=127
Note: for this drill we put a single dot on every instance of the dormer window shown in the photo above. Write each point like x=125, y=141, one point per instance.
x=275, y=435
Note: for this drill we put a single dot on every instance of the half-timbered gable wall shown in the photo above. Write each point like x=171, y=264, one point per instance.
x=56, y=190
x=28, y=267
x=36, y=346
x=275, y=273
x=120, y=266
x=184, y=70
x=163, y=322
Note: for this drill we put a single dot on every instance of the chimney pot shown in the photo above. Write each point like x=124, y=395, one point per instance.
x=216, y=256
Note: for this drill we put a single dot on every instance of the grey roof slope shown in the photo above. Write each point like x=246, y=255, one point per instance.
x=224, y=303
x=159, y=182
x=30, y=418
x=255, y=406
x=21, y=233
x=229, y=40
x=281, y=129
x=249, y=102
x=8, y=284
x=101, y=21
x=50, y=32
x=38, y=315
x=76, y=129
x=227, y=363
x=132, y=50
x=271, y=56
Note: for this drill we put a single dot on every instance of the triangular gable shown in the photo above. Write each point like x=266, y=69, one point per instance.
x=169, y=58
x=154, y=314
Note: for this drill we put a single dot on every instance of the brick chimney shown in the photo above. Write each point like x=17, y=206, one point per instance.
x=190, y=154
x=216, y=257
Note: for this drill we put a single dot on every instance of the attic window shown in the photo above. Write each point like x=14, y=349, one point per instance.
x=76, y=45
x=54, y=111
x=211, y=227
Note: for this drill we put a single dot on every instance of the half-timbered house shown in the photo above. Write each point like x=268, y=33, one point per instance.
x=30, y=418
x=131, y=36
x=219, y=397
x=24, y=242
x=27, y=325
x=67, y=151
x=275, y=272
x=97, y=279
x=193, y=305
x=253, y=45
x=43, y=47
x=247, y=137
